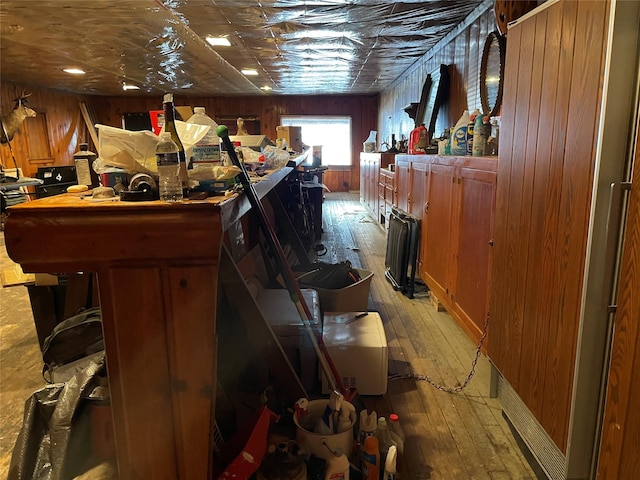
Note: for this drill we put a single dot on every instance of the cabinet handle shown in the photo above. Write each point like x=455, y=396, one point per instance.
x=491, y=242
x=426, y=207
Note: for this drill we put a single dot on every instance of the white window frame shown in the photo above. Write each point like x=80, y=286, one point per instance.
x=334, y=151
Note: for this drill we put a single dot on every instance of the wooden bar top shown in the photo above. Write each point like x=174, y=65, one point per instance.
x=72, y=231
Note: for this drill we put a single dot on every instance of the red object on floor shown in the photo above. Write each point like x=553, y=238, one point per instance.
x=250, y=443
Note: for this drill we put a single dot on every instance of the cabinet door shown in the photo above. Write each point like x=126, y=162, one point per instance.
x=475, y=199
x=403, y=182
x=418, y=195
x=363, y=179
x=435, y=254
x=374, y=173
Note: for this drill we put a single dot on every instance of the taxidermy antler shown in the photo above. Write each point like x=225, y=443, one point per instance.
x=11, y=122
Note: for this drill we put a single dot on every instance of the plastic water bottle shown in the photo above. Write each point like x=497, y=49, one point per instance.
x=168, y=163
x=170, y=126
x=206, y=152
x=397, y=434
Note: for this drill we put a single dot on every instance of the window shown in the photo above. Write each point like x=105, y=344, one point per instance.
x=332, y=133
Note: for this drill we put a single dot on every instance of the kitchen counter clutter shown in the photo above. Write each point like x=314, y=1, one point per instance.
x=159, y=266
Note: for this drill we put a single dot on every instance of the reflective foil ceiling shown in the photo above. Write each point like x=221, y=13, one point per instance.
x=297, y=47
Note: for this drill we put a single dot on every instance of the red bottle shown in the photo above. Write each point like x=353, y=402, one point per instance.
x=418, y=140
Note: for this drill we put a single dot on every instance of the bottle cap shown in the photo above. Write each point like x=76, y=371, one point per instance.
x=198, y=110
x=394, y=417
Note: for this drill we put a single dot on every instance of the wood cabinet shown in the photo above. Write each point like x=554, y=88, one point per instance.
x=403, y=182
x=455, y=199
x=570, y=99
x=370, y=165
x=455, y=249
x=412, y=183
x=437, y=227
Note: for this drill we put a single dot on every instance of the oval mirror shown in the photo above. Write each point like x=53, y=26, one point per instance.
x=492, y=74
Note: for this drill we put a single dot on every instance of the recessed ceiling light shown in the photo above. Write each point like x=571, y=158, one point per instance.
x=74, y=71
x=218, y=41
x=130, y=87
x=249, y=71
x=266, y=88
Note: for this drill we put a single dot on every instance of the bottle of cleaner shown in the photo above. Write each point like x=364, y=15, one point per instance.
x=418, y=140
x=459, y=137
x=390, y=464
x=371, y=459
x=384, y=438
x=472, y=119
x=206, y=151
x=368, y=425
x=337, y=466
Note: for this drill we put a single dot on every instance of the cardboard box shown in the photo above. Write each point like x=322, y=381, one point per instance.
x=348, y=299
x=357, y=344
x=292, y=135
x=281, y=313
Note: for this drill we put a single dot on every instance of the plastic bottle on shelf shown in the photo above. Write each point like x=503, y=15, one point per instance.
x=370, y=459
x=459, y=137
x=368, y=425
x=418, y=140
x=170, y=126
x=384, y=438
x=168, y=163
x=206, y=151
x=470, y=129
x=390, y=464
x=337, y=466
x=397, y=434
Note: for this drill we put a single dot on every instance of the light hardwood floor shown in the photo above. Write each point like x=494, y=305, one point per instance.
x=448, y=436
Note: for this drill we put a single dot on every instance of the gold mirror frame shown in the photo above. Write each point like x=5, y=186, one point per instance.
x=493, y=52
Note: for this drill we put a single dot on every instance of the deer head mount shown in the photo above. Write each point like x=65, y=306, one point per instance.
x=11, y=122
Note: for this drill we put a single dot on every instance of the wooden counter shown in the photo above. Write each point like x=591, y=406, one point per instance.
x=157, y=266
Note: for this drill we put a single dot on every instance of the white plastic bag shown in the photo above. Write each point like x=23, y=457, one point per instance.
x=136, y=151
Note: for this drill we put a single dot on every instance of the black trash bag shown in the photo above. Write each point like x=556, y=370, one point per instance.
x=54, y=442
x=75, y=338
x=331, y=276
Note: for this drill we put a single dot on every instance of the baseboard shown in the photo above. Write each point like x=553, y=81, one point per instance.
x=544, y=451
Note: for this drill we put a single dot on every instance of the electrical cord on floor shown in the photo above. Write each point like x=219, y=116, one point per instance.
x=460, y=387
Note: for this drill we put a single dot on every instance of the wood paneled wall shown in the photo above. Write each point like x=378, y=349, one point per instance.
x=553, y=84
x=52, y=137
x=462, y=51
x=363, y=110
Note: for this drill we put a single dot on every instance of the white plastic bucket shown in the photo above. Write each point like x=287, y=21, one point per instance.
x=313, y=442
